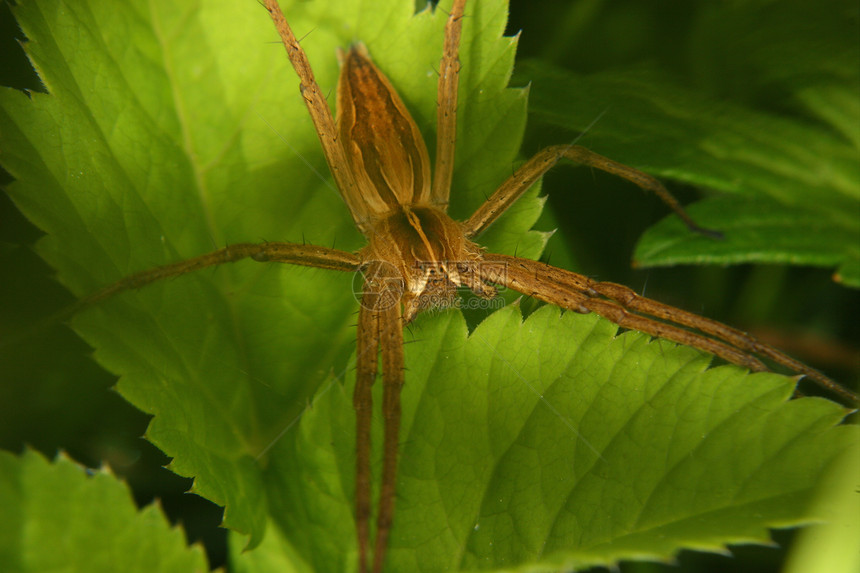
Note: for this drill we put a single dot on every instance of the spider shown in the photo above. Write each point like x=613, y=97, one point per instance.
x=416, y=255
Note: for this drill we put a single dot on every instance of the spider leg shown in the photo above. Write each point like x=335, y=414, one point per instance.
x=391, y=338
x=627, y=309
x=628, y=299
x=367, y=362
x=380, y=326
x=293, y=253
x=318, y=108
x=446, y=107
x=533, y=169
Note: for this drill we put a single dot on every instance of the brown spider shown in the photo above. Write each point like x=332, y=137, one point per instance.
x=417, y=255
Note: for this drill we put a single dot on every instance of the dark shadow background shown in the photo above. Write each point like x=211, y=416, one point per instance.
x=54, y=397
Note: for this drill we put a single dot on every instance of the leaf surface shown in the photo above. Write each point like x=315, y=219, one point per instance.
x=193, y=136
x=789, y=173
x=57, y=516
x=555, y=444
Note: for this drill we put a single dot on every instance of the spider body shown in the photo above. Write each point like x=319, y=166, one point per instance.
x=426, y=255
x=416, y=253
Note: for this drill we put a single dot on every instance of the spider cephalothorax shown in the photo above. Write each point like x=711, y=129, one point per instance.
x=427, y=252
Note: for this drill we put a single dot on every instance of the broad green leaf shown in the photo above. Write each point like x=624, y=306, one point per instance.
x=796, y=175
x=168, y=132
x=554, y=444
x=61, y=517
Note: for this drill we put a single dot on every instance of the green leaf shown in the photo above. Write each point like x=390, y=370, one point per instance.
x=553, y=444
x=793, y=177
x=756, y=230
x=61, y=517
x=192, y=136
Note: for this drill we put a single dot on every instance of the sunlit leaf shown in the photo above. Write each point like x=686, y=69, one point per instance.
x=60, y=517
x=553, y=444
